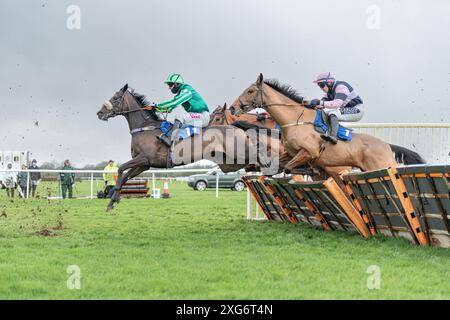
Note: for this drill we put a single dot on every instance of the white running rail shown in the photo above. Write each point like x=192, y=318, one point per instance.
x=430, y=140
x=92, y=172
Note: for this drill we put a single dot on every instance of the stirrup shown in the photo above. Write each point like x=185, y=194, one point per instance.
x=325, y=136
x=164, y=139
x=329, y=138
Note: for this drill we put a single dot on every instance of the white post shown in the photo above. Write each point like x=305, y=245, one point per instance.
x=217, y=184
x=257, y=210
x=60, y=186
x=153, y=181
x=448, y=141
x=28, y=185
x=249, y=205
x=92, y=185
x=432, y=145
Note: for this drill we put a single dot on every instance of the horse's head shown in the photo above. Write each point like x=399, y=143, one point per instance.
x=114, y=106
x=218, y=116
x=251, y=98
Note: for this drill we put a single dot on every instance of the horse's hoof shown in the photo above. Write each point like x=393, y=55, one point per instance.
x=109, y=208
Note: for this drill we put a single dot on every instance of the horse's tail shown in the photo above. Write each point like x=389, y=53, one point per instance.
x=406, y=156
x=244, y=125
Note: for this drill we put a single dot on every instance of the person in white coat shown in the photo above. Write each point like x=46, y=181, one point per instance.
x=10, y=181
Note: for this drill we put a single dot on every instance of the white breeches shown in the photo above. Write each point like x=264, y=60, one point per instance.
x=347, y=114
x=194, y=119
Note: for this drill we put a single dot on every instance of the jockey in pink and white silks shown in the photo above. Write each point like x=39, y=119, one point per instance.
x=341, y=103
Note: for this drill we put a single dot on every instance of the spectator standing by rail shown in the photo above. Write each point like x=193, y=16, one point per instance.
x=110, y=177
x=22, y=179
x=10, y=181
x=35, y=177
x=67, y=180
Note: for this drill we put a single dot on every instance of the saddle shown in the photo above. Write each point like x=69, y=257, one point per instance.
x=180, y=134
x=321, y=126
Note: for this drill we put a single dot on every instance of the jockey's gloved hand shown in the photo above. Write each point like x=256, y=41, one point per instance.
x=146, y=101
x=314, y=102
x=261, y=117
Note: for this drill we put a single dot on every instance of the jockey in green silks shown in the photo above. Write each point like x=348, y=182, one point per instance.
x=196, y=108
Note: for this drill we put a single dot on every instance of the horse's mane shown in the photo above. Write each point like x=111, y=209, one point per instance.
x=285, y=89
x=244, y=125
x=217, y=110
x=140, y=98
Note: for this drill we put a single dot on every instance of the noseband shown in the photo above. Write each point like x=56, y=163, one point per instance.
x=119, y=113
x=253, y=103
x=263, y=105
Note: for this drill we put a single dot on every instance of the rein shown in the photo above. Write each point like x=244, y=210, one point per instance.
x=120, y=113
x=294, y=124
x=137, y=130
x=130, y=111
x=263, y=105
x=322, y=146
x=223, y=115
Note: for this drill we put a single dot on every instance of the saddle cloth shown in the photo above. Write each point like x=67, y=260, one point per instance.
x=182, y=133
x=321, y=126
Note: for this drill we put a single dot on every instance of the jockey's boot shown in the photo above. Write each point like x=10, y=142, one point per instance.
x=331, y=135
x=164, y=137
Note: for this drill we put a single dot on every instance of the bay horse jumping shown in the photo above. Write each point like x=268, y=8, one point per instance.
x=262, y=122
x=302, y=143
x=223, y=116
x=225, y=145
x=246, y=121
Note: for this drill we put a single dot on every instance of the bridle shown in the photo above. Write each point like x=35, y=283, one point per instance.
x=253, y=103
x=114, y=113
x=262, y=105
x=223, y=115
x=119, y=113
x=294, y=124
x=219, y=113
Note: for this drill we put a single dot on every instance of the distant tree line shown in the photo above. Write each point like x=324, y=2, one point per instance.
x=57, y=165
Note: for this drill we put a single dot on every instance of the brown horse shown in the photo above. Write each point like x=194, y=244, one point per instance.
x=223, y=116
x=302, y=143
x=228, y=146
x=247, y=121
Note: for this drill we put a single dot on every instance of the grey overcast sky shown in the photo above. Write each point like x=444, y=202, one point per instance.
x=395, y=53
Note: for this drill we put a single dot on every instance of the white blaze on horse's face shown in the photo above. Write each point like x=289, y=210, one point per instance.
x=108, y=105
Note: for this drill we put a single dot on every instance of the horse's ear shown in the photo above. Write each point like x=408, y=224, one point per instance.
x=224, y=106
x=260, y=79
x=125, y=87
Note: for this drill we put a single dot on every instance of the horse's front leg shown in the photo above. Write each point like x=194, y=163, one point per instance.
x=334, y=172
x=136, y=166
x=284, y=159
x=301, y=158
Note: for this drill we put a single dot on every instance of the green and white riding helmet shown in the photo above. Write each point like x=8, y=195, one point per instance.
x=174, y=81
x=174, y=78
